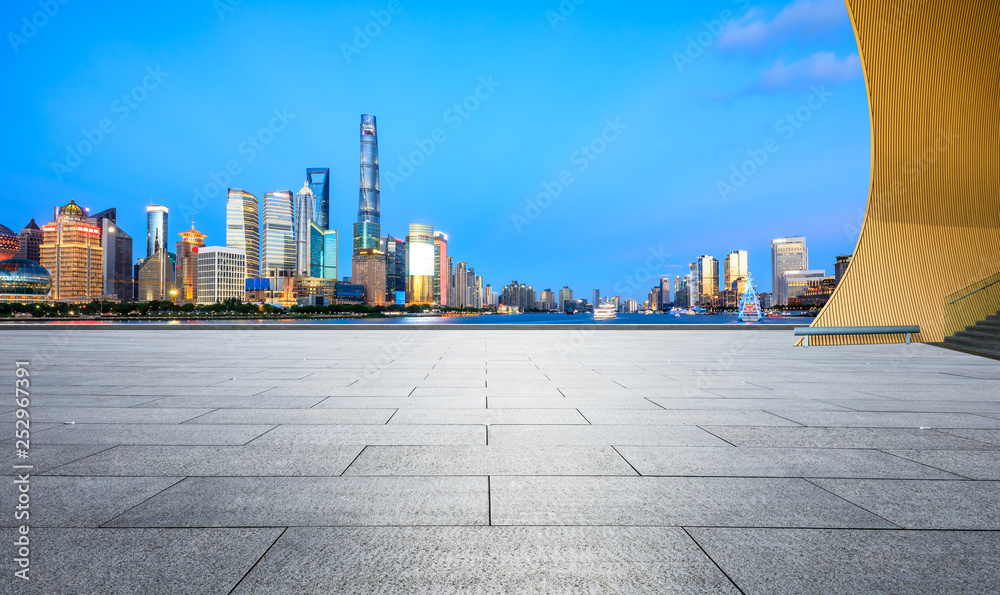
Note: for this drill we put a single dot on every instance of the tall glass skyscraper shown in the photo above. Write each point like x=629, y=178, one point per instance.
x=318, y=181
x=277, y=226
x=420, y=264
x=368, y=260
x=243, y=228
x=156, y=228
x=305, y=218
x=441, y=280
x=787, y=254
x=708, y=275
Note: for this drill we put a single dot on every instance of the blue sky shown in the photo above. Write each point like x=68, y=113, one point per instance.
x=594, y=144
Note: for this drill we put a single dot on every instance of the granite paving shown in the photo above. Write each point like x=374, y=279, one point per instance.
x=500, y=461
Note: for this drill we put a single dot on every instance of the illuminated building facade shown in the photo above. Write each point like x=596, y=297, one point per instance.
x=278, y=245
x=441, y=281
x=708, y=277
x=787, y=254
x=157, y=277
x=420, y=264
x=191, y=242
x=156, y=227
x=117, y=263
x=243, y=229
x=31, y=242
x=840, y=268
x=369, y=272
x=793, y=284
x=71, y=252
x=221, y=274
x=565, y=294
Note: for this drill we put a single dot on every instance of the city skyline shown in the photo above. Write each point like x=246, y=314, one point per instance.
x=679, y=129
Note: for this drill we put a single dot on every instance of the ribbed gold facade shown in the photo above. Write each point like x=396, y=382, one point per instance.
x=932, y=226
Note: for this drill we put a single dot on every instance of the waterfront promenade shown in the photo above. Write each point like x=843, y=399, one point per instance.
x=500, y=461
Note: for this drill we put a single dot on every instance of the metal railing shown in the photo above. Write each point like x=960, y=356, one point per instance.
x=971, y=304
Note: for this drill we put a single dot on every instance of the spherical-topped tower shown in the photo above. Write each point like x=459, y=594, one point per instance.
x=73, y=210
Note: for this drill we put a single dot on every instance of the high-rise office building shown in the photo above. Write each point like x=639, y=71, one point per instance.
x=793, y=284
x=451, y=283
x=787, y=254
x=10, y=243
x=368, y=260
x=328, y=263
x=117, y=263
x=277, y=225
x=305, y=214
x=694, y=285
x=843, y=261
x=664, y=293
x=71, y=251
x=597, y=297
x=191, y=242
x=395, y=268
x=156, y=227
x=565, y=294
x=736, y=268
x=548, y=299
x=243, y=229
x=708, y=278
x=420, y=264
x=318, y=181
x=157, y=276
x=462, y=285
x=221, y=274
x=31, y=242
x=440, y=268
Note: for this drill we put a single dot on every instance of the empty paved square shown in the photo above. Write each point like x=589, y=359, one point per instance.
x=450, y=461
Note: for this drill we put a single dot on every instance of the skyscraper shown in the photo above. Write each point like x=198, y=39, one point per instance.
x=708, y=278
x=440, y=268
x=787, y=254
x=305, y=214
x=565, y=295
x=71, y=251
x=157, y=276
x=117, y=263
x=395, y=267
x=243, y=229
x=420, y=264
x=736, y=267
x=693, y=285
x=318, y=181
x=368, y=261
x=597, y=297
x=664, y=294
x=277, y=229
x=156, y=227
x=793, y=284
x=31, y=242
x=191, y=242
x=841, y=267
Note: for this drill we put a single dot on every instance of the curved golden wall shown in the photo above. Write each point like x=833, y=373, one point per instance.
x=932, y=226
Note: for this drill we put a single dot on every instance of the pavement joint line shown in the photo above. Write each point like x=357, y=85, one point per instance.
x=244, y=444
x=363, y=449
x=710, y=433
x=958, y=475
x=254, y=565
x=707, y=555
x=56, y=468
x=489, y=500
x=186, y=420
x=130, y=509
x=800, y=424
x=391, y=416
x=852, y=503
x=615, y=448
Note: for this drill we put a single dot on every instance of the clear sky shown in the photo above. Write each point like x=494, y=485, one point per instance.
x=631, y=115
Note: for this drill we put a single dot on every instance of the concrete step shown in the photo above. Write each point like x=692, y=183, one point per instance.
x=991, y=347
x=980, y=333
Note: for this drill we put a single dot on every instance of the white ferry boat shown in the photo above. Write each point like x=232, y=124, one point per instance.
x=605, y=311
